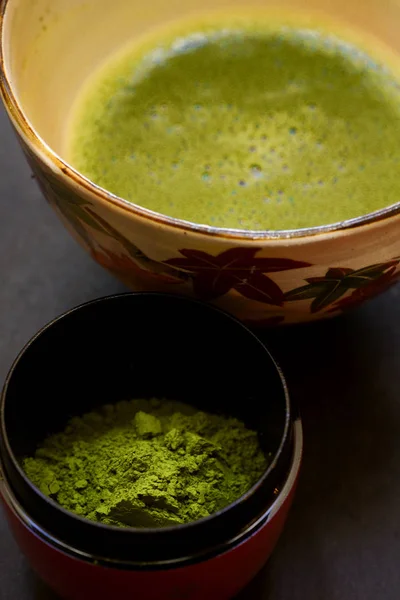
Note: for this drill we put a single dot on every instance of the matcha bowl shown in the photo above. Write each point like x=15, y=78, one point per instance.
x=47, y=51
x=147, y=345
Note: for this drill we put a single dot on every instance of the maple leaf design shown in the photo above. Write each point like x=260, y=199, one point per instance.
x=237, y=268
x=134, y=252
x=128, y=270
x=369, y=290
x=328, y=289
x=71, y=207
x=79, y=213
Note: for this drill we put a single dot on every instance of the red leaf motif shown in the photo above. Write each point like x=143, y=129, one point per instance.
x=262, y=289
x=209, y=288
x=236, y=268
x=127, y=269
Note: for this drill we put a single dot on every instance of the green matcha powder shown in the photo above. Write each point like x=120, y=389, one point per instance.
x=147, y=463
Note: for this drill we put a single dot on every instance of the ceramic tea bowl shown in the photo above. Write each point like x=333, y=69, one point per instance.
x=47, y=50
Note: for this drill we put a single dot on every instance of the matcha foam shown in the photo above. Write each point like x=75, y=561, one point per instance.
x=252, y=127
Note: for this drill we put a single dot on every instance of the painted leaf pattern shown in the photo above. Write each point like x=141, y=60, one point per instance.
x=237, y=268
x=70, y=206
x=80, y=214
x=128, y=270
x=134, y=252
x=358, y=296
x=326, y=291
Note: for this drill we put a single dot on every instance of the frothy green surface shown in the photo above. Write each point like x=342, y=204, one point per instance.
x=257, y=128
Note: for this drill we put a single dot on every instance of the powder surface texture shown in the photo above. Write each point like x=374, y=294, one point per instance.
x=147, y=463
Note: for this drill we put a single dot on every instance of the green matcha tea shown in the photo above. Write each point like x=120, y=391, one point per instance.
x=245, y=124
x=147, y=463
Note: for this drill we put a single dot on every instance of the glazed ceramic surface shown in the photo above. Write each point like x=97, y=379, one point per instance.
x=49, y=47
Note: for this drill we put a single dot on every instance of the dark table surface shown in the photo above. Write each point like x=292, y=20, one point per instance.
x=342, y=540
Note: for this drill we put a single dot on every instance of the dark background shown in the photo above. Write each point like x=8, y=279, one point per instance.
x=342, y=540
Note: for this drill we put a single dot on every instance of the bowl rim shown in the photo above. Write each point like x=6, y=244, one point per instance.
x=55, y=161
x=281, y=456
